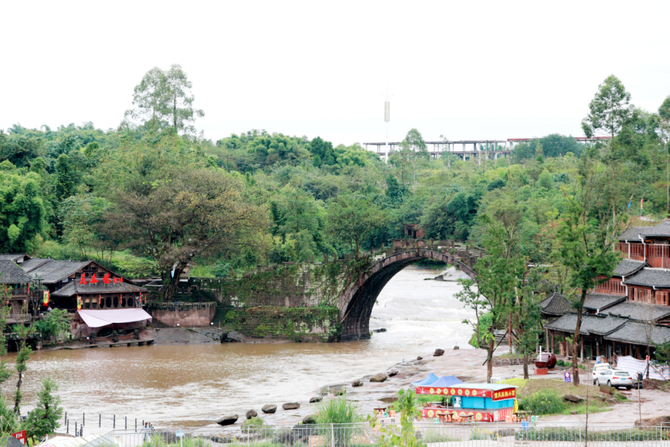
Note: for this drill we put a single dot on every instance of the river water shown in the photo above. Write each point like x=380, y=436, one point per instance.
x=192, y=385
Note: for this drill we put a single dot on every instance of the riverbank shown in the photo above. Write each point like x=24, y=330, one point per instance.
x=468, y=365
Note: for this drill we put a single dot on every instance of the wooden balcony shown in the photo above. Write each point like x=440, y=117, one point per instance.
x=656, y=255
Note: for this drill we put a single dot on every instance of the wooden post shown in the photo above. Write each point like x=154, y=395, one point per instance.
x=581, y=348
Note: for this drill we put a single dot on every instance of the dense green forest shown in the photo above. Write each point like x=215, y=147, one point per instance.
x=151, y=196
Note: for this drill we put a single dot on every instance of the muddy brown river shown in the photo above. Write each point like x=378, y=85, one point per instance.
x=192, y=385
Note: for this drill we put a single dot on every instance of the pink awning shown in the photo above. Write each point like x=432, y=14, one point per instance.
x=99, y=318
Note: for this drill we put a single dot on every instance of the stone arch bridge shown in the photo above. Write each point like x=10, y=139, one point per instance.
x=350, y=284
x=359, y=297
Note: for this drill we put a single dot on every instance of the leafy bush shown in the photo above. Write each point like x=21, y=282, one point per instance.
x=338, y=411
x=55, y=323
x=567, y=434
x=543, y=402
x=437, y=434
x=481, y=434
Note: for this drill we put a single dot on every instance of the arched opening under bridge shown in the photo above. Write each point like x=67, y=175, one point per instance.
x=360, y=296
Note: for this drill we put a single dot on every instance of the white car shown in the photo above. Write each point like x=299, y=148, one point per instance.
x=616, y=378
x=599, y=368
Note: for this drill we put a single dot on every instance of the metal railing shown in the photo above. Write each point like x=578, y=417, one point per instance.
x=362, y=435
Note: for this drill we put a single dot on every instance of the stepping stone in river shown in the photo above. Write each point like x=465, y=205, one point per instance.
x=251, y=414
x=291, y=406
x=315, y=399
x=378, y=377
x=227, y=420
x=270, y=409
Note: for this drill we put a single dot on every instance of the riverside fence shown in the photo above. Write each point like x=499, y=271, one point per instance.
x=362, y=435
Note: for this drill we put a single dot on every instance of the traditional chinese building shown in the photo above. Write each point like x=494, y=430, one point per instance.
x=628, y=313
x=16, y=284
x=84, y=285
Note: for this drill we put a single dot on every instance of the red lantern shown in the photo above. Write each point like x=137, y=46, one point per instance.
x=78, y=302
x=45, y=298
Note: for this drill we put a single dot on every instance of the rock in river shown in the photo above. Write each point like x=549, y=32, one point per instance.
x=357, y=383
x=438, y=352
x=270, y=409
x=227, y=420
x=291, y=406
x=251, y=414
x=309, y=419
x=315, y=399
x=378, y=377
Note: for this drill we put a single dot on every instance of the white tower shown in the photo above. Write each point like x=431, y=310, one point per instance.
x=387, y=118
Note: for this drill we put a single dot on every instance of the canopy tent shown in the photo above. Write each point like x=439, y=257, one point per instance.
x=427, y=381
x=100, y=318
x=445, y=381
x=439, y=386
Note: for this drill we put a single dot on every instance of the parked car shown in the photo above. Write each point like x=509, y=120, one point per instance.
x=616, y=378
x=598, y=368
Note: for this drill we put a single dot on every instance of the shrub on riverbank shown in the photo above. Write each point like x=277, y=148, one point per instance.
x=543, y=402
x=338, y=411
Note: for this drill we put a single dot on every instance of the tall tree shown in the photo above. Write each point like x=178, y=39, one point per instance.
x=178, y=215
x=43, y=420
x=609, y=110
x=586, y=246
x=165, y=97
x=664, y=134
x=497, y=276
x=352, y=219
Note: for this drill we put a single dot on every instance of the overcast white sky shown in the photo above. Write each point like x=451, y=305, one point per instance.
x=462, y=69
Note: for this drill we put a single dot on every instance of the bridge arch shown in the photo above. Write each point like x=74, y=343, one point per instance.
x=359, y=297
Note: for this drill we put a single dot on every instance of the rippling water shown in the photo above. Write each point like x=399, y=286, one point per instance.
x=194, y=384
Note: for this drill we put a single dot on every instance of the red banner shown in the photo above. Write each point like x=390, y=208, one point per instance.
x=21, y=436
x=507, y=393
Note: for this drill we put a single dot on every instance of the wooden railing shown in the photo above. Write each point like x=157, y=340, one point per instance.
x=611, y=287
x=657, y=255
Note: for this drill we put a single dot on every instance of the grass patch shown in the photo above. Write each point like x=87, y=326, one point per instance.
x=203, y=271
x=543, y=402
x=438, y=435
x=566, y=434
x=517, y=382
x=597, y=401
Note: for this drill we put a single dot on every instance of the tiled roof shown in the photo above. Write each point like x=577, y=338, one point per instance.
x=601, y=301
x=660, y=230
x=555, y=304
x=74, y=288
x=631, y=234
x=628, y=266
x=640, y=334
x=11, y=257
x=10, y=273
x=53, y=271
x=634, y=233
x=650, y=277
x=32, y=264
x=591, y=324
x=639, y=311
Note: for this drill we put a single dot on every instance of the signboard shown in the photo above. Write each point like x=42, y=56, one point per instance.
x=179, y=433
x=504, y=394
x=567, y=376
x=21, y=436
x=507, y=393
